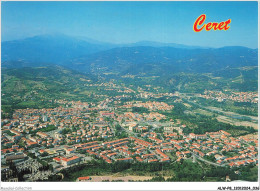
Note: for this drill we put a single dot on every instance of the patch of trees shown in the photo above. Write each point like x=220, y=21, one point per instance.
x=32, y=155
x=54, y=178
x=118, y=127
x=159, y=130
x=45, y=167
x=48, y=128
x=140, y=110
x=120, y=133
x=186, y=171
x=44, y=154
x=210, y=158
x=182, y=171
x=11, y=173
x=248, y=173
x=65, y=131
x=9, y=133
x=20, y=174
x=244, y=108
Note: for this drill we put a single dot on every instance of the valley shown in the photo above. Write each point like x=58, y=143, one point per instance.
x=145, y=111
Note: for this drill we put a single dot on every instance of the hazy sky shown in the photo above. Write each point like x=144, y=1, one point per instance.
x=123, y=22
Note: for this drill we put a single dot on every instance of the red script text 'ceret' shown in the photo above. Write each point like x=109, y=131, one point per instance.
x=198, y=25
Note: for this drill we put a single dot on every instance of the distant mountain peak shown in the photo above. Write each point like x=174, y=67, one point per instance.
x=161, y=44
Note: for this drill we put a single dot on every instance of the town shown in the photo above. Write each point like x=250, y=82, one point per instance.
x=251, y=97
x=46, y=141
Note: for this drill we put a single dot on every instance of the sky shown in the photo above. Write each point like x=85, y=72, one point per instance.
x=127, y=22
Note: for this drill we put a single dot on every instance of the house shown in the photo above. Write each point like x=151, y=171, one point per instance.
x=165, y=160
x=31, y=144
x=167, y=149
x=240, y=163
x=129, y=159
x=199, y=152
x=57, y=159
x=224, y=133
x=161, y=153
x=8, y=126
x=139, y=159
x=15, y=146
x=194, y=136
x=219, y=157
x=148, y=156
x=83, y=179
x=70, y=151
x=69, y=161
x=41, y=134
x=152, y=160
x=178, y=147
x=15, y=158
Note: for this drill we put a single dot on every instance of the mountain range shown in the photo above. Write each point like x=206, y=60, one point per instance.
x=144, y=58
x=164, y=60
x=59, y=49
x=48, y=49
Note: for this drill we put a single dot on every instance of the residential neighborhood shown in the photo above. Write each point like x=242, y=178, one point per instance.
x=72, y=134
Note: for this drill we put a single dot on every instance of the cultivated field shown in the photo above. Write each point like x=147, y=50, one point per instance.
x=225, y=119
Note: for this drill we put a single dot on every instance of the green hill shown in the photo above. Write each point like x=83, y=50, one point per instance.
x=39, y=87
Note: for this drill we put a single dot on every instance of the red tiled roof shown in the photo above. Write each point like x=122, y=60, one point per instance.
x=57, y=159
x=84, y=178
x=69, y=159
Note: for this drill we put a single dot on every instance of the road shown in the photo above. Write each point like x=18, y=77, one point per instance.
x=209, y=162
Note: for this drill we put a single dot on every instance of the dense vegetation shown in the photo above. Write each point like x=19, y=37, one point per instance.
x=14, y=173
x=200, y=124
x=244, y=108
x=140, y=110
x=184, y=171
x=39, y=87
